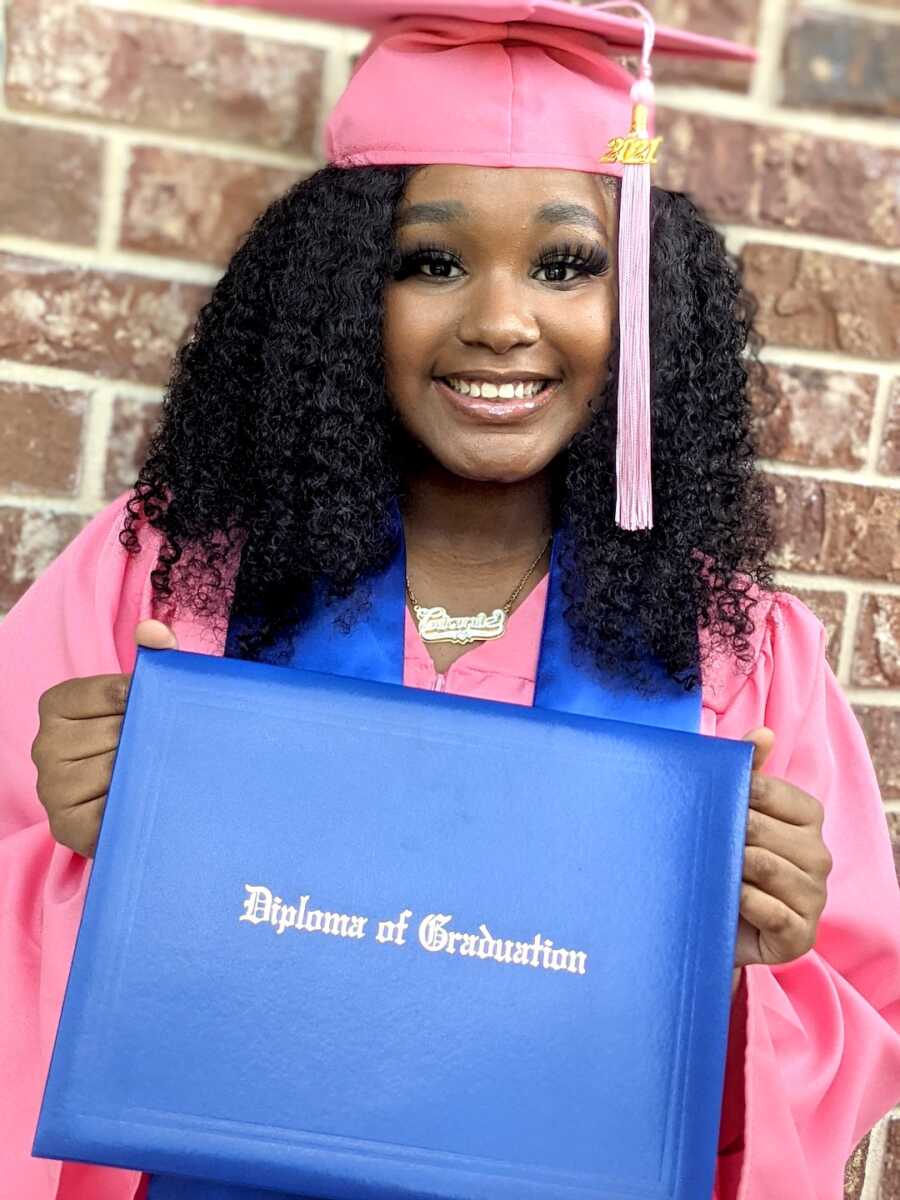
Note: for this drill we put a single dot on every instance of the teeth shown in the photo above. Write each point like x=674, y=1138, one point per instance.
x=493, y=391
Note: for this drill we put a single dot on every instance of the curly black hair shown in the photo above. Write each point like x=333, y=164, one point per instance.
x=278, y=440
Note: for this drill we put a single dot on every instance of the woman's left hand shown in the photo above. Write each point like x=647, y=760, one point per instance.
x=786, y=864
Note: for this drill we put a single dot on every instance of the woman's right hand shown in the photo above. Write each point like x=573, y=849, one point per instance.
x=76, y=743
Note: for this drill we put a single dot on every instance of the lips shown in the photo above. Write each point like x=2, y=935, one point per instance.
x=502, y=410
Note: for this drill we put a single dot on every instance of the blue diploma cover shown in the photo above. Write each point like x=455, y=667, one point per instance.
x=348, y=939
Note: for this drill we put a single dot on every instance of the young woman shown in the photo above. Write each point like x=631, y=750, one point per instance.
x=425, y=359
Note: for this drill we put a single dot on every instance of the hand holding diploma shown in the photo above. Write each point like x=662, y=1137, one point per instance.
x=76, y=743
x=786, y=864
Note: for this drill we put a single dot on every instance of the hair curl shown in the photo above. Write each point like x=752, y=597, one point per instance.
x=278, y=439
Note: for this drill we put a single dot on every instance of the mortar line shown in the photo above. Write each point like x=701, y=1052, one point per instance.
x=828, y=360
x=116, y=161
x=64, y=377
x=872, y=697
x=738, y=235
x=92, y=492
x=879, y=424
x=131, y=262
x=835, y=126
x=856, y=8
x=47, y=504
x=875, y=1161
x=269, y=25
x=861, y=478
x=765, y=87
x=810, y=581
x=848, y=638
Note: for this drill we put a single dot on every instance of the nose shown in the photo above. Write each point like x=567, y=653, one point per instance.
x=499, y=314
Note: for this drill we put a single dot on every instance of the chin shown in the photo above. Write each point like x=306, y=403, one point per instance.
x=497, y=468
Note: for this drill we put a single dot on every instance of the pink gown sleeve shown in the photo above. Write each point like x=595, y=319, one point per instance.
x=814, y=1056
x=78, y=619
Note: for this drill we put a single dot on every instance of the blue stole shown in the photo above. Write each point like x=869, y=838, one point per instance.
x=372, y=648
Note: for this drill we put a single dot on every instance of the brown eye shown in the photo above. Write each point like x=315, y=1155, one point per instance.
x=558, y=272
x=582, y=260
x=427, y=262
x=436, y=268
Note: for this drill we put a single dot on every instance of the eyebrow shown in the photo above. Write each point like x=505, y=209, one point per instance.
x=445, y=212
x=439, y=213
x=563, y=212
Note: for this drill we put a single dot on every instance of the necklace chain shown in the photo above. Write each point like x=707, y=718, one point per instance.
x=517, y=591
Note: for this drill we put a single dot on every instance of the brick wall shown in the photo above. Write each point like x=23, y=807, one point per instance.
x=140, y=138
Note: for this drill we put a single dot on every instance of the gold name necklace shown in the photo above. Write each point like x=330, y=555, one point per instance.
x=436, y=625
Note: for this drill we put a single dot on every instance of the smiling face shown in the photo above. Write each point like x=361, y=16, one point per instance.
x=498, y=323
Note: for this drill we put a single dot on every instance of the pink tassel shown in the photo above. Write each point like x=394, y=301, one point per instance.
x=634, y=501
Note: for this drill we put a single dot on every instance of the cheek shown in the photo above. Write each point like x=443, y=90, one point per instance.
x=412, y=332
x=583, y=336
x=406, y=337
x=390, y=332
x=584, y=329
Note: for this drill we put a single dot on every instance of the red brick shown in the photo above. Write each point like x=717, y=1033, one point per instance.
x=29, y=541
x=132, y=427
x=192, y=205
x=53, y=192
x=759, y=175
x=101, y=322
x=890, y=1168
x=712, y=160
x=163, y=73
x=838, y=188
x=889, y=454
x=825, y=301
x=836, y=528
x=881, y=725
x=818, y=418
x=40, y=451
x=830, y=608
x=876, y=661
x=836, y=61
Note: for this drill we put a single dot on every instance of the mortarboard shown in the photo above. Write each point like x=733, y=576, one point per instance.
x=513, y=83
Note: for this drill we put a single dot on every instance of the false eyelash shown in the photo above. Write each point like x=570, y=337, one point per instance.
x=404, y=264
x=592, y=258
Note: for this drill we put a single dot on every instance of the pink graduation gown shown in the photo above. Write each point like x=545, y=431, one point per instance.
x=814, y=1052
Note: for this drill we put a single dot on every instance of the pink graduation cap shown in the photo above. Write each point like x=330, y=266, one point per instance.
x=512, y=83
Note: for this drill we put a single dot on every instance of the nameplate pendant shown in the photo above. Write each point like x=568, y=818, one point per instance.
x=436, y=625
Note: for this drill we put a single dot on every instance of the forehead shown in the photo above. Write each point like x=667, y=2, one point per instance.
x=465, y=195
